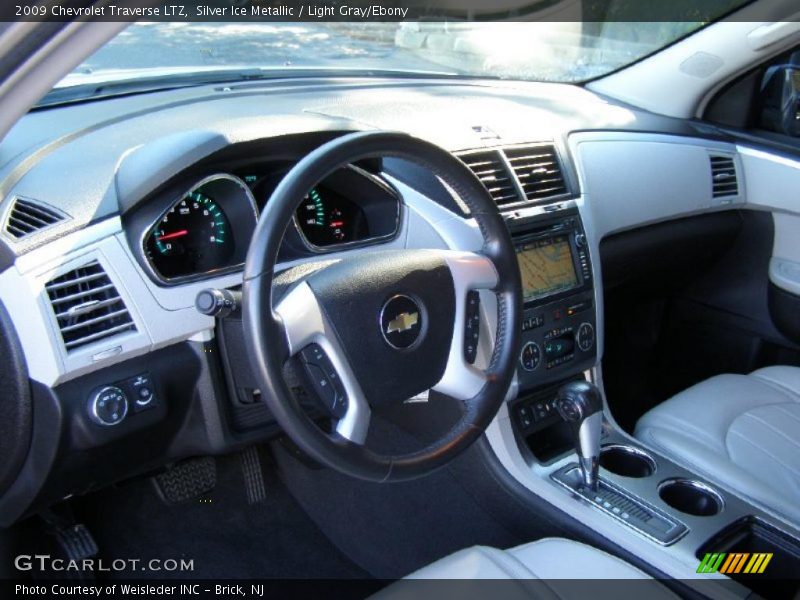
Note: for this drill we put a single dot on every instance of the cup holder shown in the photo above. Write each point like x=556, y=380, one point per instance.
x=627, y=461
x=690, y=497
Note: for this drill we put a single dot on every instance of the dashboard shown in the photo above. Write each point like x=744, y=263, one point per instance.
x=148, y=208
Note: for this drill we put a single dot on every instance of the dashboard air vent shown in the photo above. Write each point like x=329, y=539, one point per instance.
x=538, y=170
x=27, y=216
x=723, y=176
x=493, y=173
x=87, y=306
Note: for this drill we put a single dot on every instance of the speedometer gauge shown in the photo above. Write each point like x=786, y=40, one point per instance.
x=194, y=236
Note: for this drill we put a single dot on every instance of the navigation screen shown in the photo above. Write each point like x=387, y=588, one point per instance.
x=546, y=266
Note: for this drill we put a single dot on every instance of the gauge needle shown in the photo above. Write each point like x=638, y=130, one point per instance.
x=169, y=236
x=336, y=223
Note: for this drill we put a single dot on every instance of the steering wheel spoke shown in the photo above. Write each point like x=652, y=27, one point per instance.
x=471, y=272
x=309, y=335
x=391, y=322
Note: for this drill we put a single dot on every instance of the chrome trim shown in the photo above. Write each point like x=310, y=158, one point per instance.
x=470, y=271
x=525, y=202
x=627, y=448
x=524, y=213
x=590, y=468
x=304, y=323
x=205, y=274
x=635, y=499
x=422, y=316
x=589, y=432
x=577, y=336
x=693, y=483
x=356, y=243
x=93, y=406
x=521, y=352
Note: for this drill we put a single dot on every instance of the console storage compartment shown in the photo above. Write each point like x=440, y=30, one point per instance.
x=753, y=536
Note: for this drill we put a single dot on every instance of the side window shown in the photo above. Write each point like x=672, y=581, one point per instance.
x=779, y=100
x=765, y=102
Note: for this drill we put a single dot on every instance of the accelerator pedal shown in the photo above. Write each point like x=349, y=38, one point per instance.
x=187, y=480
x=74, y=540
x=253, y=476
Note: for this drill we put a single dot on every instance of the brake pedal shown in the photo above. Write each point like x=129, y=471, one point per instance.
x=253, y=476
x=187, y=480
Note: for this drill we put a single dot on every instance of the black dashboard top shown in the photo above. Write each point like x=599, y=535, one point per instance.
x=101, y=159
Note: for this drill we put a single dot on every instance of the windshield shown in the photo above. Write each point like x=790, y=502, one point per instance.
x=538, y=51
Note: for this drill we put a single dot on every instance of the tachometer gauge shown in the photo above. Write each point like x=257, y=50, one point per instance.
x=326, y=218
x=194, y=236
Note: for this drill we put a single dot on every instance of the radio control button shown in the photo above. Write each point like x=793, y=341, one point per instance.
x=530, y=357
x=324, y=380
x=472, y=326
x=585, y=337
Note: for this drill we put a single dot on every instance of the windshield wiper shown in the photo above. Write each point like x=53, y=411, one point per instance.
x=84, y=92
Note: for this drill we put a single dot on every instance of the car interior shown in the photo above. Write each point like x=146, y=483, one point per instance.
x=322, y=324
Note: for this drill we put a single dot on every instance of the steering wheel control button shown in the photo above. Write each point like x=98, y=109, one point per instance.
x=401, y=322
x=325, y=380
x=530, y=357
x=108, y=406
x=472, y=324
x=585, y=337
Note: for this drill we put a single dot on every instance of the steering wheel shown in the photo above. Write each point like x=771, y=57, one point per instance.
x=384, y=325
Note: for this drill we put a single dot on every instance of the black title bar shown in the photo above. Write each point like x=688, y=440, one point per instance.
x=700, y=11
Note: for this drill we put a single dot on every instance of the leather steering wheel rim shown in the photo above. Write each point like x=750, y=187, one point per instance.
x=265, y=329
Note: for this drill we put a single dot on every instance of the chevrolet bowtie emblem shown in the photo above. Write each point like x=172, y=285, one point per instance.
x=402, y=322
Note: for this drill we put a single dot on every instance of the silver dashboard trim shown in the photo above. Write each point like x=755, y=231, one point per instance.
x=171, y=281
x=357, y=243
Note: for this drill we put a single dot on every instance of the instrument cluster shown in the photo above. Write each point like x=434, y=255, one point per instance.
x=206, y=229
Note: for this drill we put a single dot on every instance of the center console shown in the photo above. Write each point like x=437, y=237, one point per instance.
x=558, y=326
x=628, y=492
x=558, y=330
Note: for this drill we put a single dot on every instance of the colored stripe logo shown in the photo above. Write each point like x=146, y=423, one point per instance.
x=734, y=562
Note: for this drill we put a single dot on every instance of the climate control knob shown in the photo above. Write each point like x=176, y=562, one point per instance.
x=530, y=357
x=585, y=337
x=108, y=406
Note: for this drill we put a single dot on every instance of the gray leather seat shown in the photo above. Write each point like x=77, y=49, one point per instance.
x=740, y=431
x=551, y=568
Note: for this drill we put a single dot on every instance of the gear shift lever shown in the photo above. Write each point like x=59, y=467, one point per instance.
x=580, y=404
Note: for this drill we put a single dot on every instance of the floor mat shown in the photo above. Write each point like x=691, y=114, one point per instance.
x=224, y=535
x=392, y=529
